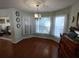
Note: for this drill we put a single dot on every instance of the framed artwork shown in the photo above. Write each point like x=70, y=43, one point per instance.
x=18, y=19
x=77, y=23
x=18, y=25
x=17, y=13
x=73, y=18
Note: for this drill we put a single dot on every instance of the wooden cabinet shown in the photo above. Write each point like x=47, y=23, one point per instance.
x=68, y=48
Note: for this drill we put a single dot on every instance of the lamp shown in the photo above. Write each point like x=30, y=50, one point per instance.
x=37, y=15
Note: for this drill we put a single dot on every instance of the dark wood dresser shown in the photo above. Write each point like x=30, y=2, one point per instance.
x=68, y=48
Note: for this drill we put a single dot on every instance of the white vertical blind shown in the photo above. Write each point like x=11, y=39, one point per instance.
x=43, y=25
x=59, y=25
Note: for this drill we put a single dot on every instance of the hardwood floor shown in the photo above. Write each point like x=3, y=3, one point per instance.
x=30, y=48
x=6, y=48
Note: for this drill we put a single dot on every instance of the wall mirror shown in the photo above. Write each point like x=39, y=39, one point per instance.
x=18, y=25
x=18, y=19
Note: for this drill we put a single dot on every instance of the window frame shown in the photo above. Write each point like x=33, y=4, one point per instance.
x=49, y=29
x=65, y=23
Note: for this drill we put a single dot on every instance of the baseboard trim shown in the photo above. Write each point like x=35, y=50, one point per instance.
x=29, y=36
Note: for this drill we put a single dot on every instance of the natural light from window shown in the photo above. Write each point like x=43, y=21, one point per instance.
x=59, y=25
x=43, y=25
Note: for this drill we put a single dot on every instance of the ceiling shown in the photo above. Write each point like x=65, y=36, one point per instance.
x=30, y=5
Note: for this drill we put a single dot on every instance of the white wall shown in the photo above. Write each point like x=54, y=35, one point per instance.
x=26, y=22
x=4, y=12
x=74, y=11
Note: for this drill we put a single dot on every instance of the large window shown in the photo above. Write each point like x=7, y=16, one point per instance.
x=59, y=25
x=43, y=25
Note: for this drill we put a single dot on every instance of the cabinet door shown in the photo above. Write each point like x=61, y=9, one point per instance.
x=66, y=48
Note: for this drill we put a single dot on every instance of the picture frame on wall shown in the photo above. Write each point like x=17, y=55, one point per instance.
x=73, y=19
x=77, y=22
x=18, y=19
